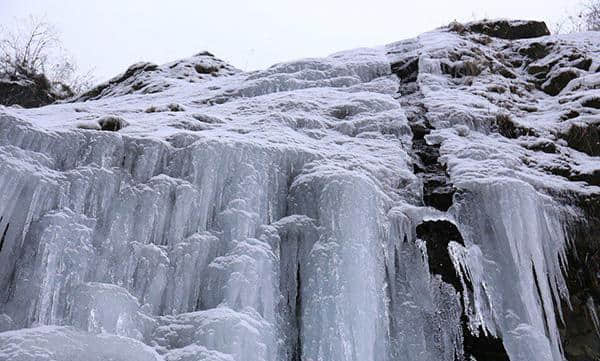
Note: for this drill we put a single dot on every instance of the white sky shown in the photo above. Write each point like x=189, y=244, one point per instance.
x=110, y=35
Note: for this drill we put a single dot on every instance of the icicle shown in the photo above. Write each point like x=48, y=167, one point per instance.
x=591, y=307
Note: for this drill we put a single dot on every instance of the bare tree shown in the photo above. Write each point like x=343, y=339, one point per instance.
x=26, y=48
x=591, y=15
x=586, y=18
x=32, y=48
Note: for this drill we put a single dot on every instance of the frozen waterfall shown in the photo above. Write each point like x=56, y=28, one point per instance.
x=288, y=214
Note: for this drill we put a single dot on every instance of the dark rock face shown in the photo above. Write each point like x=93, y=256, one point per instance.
x=507, y=127
x=580, y=337
x=536, y=51
x=112, y=123
x=461, y=69
x=483, y=347
x=437, y=189
x=559, y=81
x=584, y=138
x=538, y=69
x=407, y=70
x=28, y=92
x=510, y=30
x=437, y=235
x=592, y=103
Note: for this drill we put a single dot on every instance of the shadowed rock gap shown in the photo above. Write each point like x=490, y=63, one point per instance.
x=297, y=355
x=579, y=336
x=437, y=235
x=437, y=189
x=3, y=234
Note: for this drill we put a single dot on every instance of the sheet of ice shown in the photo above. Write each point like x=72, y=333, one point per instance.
x=67, y=343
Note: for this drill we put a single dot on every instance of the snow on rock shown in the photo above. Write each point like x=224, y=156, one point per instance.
x=498, y=129
x=507, y=29
x=193, y=212
x=148, y=78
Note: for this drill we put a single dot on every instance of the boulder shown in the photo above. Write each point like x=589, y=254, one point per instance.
x=31, y=91
x=25, y=93
x=558, y=81
x=509, y=29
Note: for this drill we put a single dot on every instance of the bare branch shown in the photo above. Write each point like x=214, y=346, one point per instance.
x=32, y=48
x=586, y=18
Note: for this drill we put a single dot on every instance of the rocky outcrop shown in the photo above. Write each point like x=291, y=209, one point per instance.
x=149, y=78
x=511, y=30
x=30, y=92
x=533, y=92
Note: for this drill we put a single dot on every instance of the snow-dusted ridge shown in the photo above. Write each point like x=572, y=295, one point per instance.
x=192, y=211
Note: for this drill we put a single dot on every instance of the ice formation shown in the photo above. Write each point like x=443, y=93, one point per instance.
x=395, y=203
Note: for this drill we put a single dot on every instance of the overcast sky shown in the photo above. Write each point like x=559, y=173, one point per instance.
x=109, y=35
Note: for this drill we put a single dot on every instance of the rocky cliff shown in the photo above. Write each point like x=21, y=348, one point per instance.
x=437, y=198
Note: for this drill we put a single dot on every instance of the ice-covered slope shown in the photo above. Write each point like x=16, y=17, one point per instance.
x=148, y=78
x=416, y=201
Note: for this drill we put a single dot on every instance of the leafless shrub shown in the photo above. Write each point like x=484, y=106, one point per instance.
x=591, y=15
x=26, y=49
x=585, y=18
x=32, y=48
